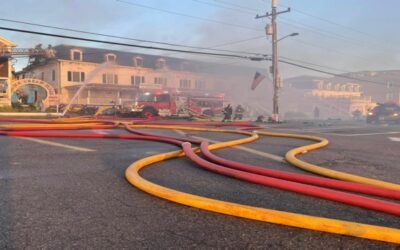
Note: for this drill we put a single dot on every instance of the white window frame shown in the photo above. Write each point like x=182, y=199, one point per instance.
x=75, y=76
x=73, y=51
x=185, y=84
x=161, y=81
x=135, y=60
x=161, y=63
x=136, y=80
x=110, y=78
x=107, y=58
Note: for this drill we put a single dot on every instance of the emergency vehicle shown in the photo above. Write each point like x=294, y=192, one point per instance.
x=163, y=103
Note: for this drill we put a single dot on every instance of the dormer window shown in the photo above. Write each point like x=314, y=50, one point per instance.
x=111, y=58
x=76, y=55
x=138, y=61
x=161, y=63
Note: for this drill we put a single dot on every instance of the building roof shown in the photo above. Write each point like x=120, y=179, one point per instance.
x=6, y=43
x=97, y=55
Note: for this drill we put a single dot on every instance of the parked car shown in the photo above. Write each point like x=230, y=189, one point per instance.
x=384, y=113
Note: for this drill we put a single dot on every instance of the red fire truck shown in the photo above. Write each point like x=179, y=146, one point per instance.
x=164, y=104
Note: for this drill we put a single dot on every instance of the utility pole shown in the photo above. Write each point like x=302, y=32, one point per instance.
x=274, y=68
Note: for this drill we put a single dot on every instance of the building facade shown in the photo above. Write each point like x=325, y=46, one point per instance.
x=115, y=76
x=333, y=99
x=6, y=69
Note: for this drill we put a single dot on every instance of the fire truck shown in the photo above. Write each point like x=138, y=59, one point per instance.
x=164, y=103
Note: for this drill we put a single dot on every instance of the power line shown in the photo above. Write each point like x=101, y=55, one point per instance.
x=328, y=21
x=236, y=5
x=322, y=32
x=230, y=24
x=333, y=74
x=221, y=6
x=131, y=45
x=193, y=52
x=325, y=33
x=342, y=26
x=186, y=15
x=229, y=43
x=127, y=38
x=314, y=64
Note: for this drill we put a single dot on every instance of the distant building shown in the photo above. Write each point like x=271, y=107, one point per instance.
x=116, y=76
x=6, y=71
x=333, y=99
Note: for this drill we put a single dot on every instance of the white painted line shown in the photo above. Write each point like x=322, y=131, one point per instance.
x=319, y=129
x=364, y=134
x=396, y=139
x=101, y=131
x=50, y=143
x=249, y=150
x=180, y=132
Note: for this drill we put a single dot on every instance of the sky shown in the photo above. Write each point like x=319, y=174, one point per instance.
x=340, y=35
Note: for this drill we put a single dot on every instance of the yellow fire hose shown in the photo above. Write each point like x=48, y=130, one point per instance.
x=256, y=213
x=321, y=142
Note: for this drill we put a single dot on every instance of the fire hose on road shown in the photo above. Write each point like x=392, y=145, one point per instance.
x=292, y=182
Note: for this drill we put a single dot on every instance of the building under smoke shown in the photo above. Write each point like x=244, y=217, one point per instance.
x=119, y=75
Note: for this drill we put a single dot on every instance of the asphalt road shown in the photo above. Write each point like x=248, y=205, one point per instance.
x=73, y=194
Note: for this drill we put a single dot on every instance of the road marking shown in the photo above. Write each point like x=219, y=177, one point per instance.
x=249, y=150
x=101, y=131
x=363, y=134
x=396, y=139
x=56, y=144
x=319, y=129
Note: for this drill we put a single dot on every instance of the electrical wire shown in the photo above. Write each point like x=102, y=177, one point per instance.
x=217, y=5
x=186, y=15
x=130, y=45
x=129, y=38
x=333, y=74
x=196, y=52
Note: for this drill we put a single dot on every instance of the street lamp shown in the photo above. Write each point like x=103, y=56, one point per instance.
x=293, y=34
x=275, y=74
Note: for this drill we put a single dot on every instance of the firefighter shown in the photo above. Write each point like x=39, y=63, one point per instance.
x=260, y=118
x=227, y=113
x=239, y=113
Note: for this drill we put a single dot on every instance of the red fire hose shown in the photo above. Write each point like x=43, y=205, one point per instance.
x=343, y=197
x=306, y=179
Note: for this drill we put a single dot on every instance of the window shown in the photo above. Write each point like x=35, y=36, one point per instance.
x=76, y=55
x=199, y=84
x=185, y=84
x=138, y=61
x=53, y=75
x=160, y=80
x=161, y=63
x=110, y=78
x=137, y=80
x=111, y=58
x=163, y=98
x=75, y=76
x=147, y=97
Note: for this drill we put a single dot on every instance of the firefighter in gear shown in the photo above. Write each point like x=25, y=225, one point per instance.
x=238, y=113
x=227, y=113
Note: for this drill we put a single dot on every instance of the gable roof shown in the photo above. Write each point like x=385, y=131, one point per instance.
x=6, y=43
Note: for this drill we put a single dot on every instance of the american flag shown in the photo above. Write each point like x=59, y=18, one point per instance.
x=258, y=77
